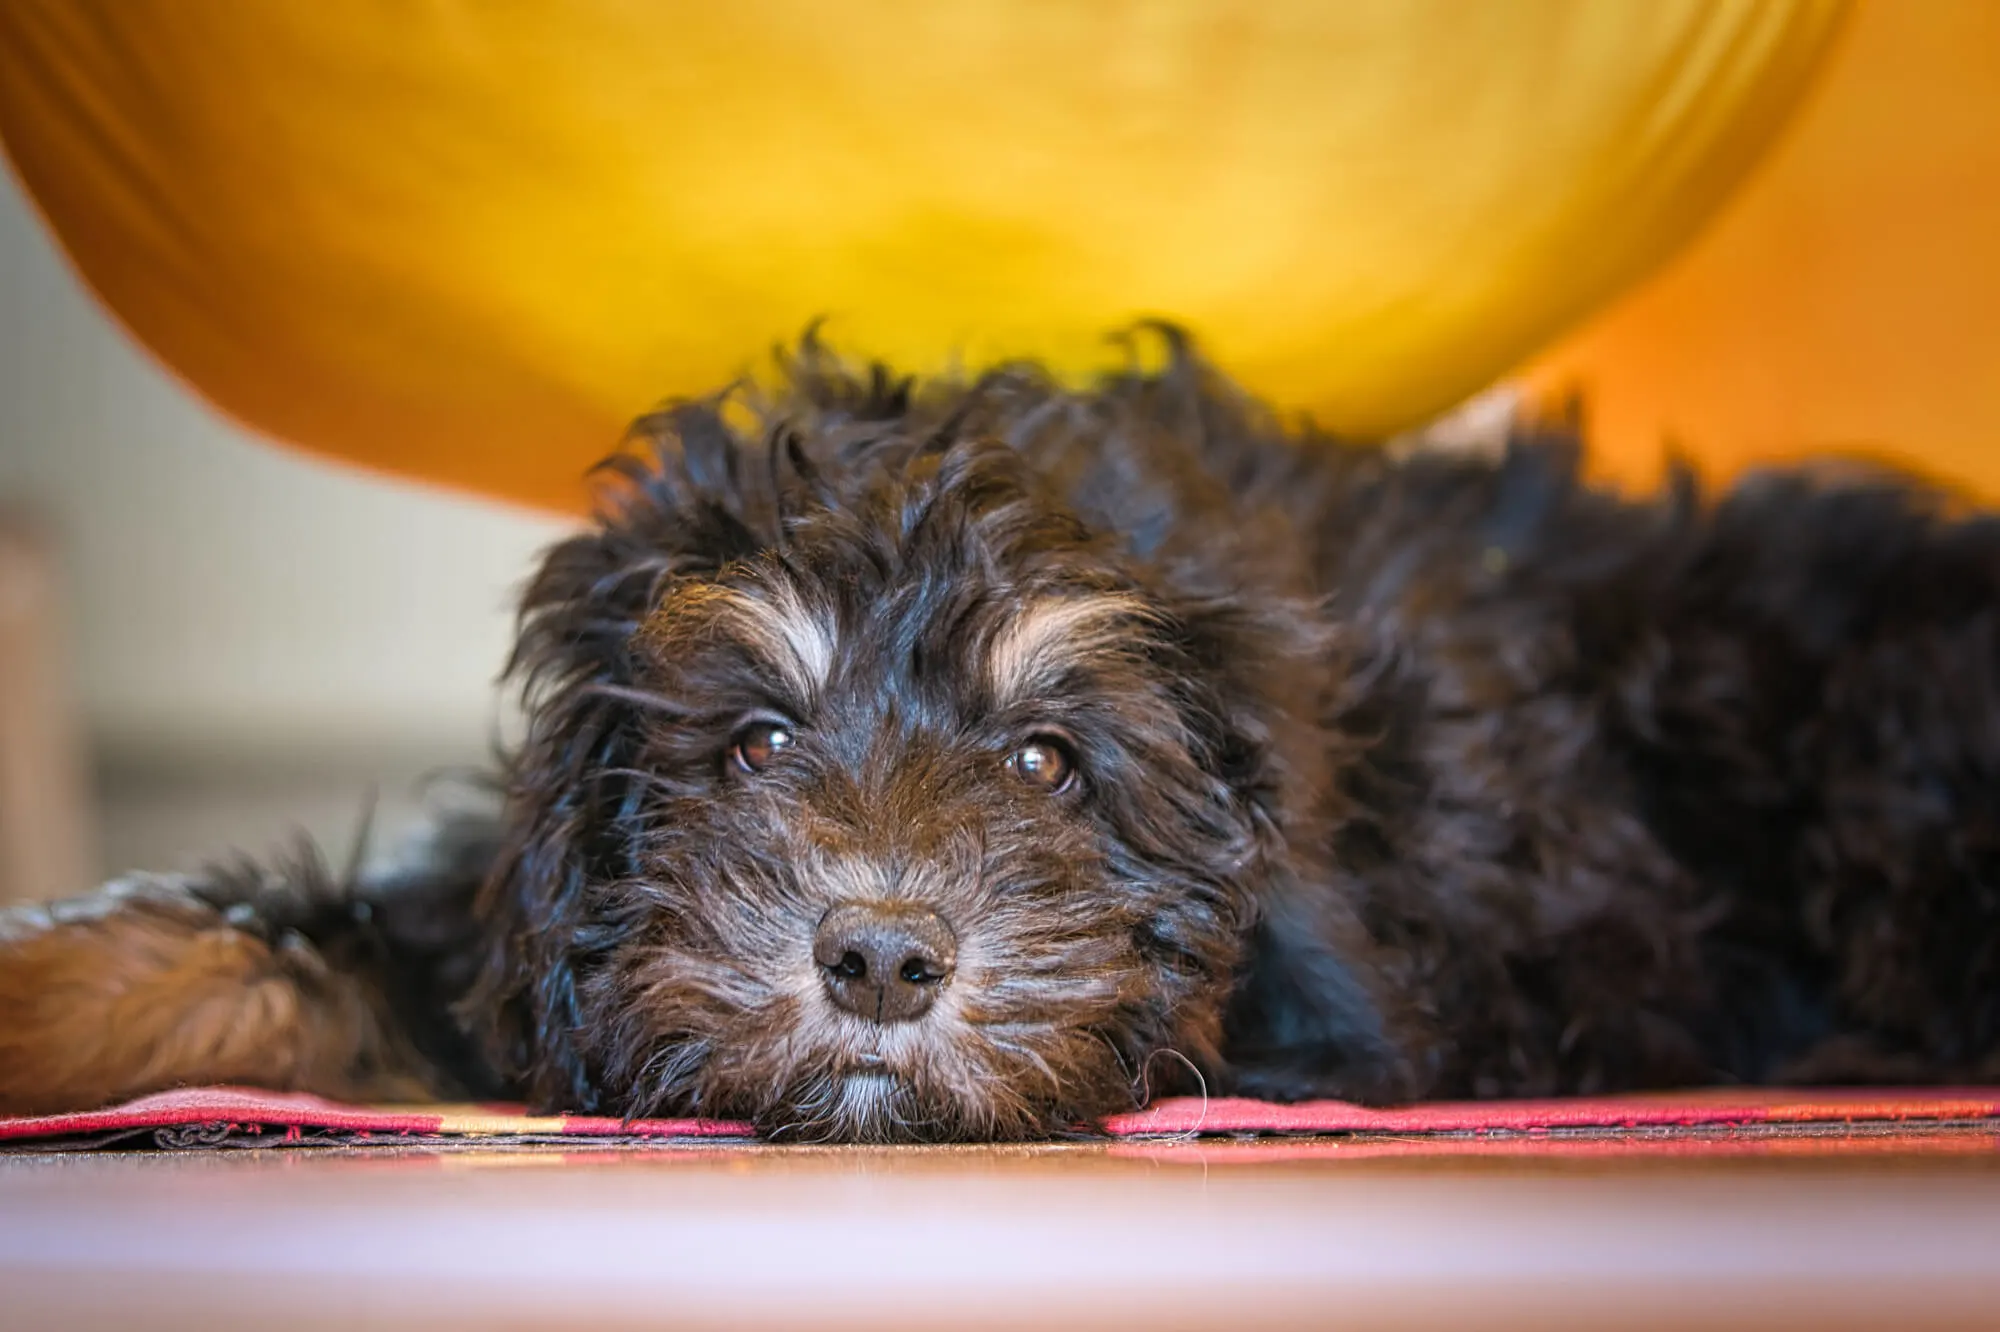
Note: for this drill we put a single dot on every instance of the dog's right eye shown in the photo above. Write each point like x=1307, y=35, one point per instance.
x=758, y=743
x=1044, y=762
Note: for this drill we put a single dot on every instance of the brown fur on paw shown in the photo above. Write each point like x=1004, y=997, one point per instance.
x=143, y=986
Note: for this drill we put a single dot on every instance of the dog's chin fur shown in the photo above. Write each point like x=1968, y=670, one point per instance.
x=1394, y=774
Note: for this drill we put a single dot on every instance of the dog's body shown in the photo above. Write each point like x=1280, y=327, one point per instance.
x=929, y=762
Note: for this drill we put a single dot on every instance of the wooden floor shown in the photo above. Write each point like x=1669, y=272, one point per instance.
x=1897, y=1234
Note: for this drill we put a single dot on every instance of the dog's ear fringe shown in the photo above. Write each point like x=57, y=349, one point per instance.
x=682, y=512
x=571, y=815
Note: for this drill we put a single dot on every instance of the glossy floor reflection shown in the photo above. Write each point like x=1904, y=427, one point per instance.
x=1899, y=1231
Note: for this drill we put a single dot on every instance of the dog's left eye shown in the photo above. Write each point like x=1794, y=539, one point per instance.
x=1044, y=761
x=758, y=743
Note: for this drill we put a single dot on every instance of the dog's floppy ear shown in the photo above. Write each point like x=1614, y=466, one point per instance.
x=574, y=802
x=1311, y=1013
x=1308, y=1018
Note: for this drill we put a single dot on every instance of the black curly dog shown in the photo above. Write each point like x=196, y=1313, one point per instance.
x=930, y=760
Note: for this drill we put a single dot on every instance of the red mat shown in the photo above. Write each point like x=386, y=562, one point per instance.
x=215, y=1116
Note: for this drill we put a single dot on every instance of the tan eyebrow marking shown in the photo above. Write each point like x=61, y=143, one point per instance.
x=1031, y=652
x=775, y=622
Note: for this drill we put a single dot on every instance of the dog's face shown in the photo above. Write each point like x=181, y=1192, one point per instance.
x=933, y=849
x=904, y=806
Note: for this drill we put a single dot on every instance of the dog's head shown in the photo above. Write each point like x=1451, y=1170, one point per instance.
x=876, y=787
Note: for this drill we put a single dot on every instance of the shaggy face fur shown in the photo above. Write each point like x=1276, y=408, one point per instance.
x=919, y=594
x=944, y=761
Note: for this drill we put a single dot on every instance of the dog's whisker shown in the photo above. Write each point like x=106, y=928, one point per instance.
x=1124, y=1064
x=1146, y=1093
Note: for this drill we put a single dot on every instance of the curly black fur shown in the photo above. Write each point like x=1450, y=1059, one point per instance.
x=1395, y=776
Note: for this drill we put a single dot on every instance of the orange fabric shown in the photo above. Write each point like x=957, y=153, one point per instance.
x=469, y=241
x=1849, y=298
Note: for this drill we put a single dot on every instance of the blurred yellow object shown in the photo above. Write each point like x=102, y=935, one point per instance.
x=466, y=241
x=1848, y=299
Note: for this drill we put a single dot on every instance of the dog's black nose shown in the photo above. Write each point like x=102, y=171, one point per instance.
x=884, y=960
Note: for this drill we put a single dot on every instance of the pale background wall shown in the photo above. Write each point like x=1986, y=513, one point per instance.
x=255, y=638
